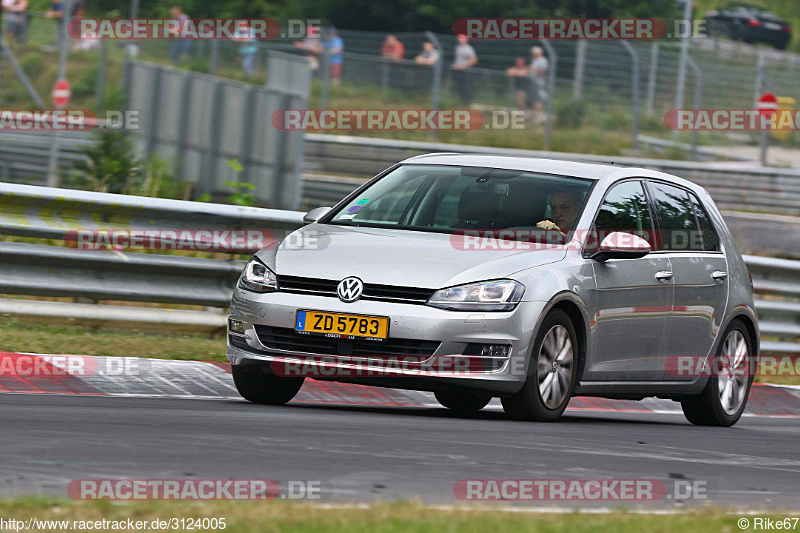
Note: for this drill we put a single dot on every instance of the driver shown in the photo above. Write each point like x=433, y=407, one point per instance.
x=564, y=208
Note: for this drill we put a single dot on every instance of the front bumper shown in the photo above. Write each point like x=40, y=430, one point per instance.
x=454, y=330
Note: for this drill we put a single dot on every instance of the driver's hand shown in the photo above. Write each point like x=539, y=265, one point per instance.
x=548, y=224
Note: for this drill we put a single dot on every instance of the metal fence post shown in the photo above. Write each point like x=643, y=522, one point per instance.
x=214, y=55
x=687, y=16
x=761, y=77
x=101, y=75
x=282, y=143
x=759, y=71
x=634, y=93
x=183, y=123
x=246, y=139
x=652, y=78
x=580, y=65
x=698, y=92
x=551, y=88
x=207, y=177
x=384, y=74
x=155, y=103
x=127, y=78
x=53, y=178
x=437, y=70
x=325, y=69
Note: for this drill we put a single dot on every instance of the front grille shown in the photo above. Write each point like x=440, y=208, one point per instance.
x=290, y=340
x=383, y=293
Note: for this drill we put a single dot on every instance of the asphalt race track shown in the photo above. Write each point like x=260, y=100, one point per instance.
x=361, y=449
x=765, y=234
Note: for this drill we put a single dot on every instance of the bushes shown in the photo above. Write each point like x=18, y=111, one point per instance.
x=32, y=64
x=570, y=114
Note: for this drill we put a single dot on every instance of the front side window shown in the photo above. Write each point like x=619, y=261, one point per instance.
x=447, y=199
x=624, y=209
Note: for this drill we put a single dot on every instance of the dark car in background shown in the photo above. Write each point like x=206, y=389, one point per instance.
x=748, y=23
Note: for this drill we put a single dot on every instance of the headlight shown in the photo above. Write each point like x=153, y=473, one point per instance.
x=258, y=278
x=500, y=295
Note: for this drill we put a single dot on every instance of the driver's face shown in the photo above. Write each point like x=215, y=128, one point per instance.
x=564, y=210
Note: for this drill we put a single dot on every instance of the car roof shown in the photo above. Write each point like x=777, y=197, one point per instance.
x=595, y=171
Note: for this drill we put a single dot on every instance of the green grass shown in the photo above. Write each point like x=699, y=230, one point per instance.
x=68, y=339
x=264, y=517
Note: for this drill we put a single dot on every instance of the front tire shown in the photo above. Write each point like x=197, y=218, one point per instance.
x=550, y=384
x=265, y=389
x=463, y=401
x=724, y=398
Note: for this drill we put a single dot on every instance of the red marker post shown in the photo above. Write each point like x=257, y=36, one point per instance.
x=767, y=106
x=62, y=93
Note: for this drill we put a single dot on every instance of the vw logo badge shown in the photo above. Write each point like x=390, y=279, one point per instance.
x=350, y=289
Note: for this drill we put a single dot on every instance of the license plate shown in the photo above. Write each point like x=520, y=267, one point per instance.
x=342, y=325
x=772, y=26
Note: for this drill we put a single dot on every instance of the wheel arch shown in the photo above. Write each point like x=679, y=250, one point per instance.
x=575, y=309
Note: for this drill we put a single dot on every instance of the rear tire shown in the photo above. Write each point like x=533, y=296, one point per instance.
x=554, y=364
x=265, y=389
x=463, y=401
x=724, y=398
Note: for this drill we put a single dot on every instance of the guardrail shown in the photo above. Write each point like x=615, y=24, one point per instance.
x=776, y=283
x=732, y=184
x=55, y=271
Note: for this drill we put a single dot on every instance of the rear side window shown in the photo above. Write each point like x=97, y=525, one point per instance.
x=708, y=233
x=676, y=220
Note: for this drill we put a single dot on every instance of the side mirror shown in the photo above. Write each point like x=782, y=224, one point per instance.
x=619, y=245
x=315, y=214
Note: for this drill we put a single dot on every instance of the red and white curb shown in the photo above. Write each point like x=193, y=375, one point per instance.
x=160, y=378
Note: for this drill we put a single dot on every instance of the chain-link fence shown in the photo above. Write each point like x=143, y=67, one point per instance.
x=620, y=84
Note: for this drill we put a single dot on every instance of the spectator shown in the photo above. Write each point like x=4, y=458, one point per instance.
x=334, y=46
x=56, y=11
x=392, y=48
x=465, y=58
x=181, y=46
x=428, y=56
x=17, y=18
x=519, y=73
x=248, y=49
x=538, y=73
x=393, y=53
x=312, y=46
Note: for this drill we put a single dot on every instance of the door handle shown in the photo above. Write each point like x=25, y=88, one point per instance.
x=719, y=275
x=664, y=276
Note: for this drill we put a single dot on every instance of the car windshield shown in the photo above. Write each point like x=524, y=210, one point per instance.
x=450, y=198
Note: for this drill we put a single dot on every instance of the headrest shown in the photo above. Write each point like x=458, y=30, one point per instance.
x=479, y=207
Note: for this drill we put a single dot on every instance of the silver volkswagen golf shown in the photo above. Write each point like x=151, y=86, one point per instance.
x=530, y=280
